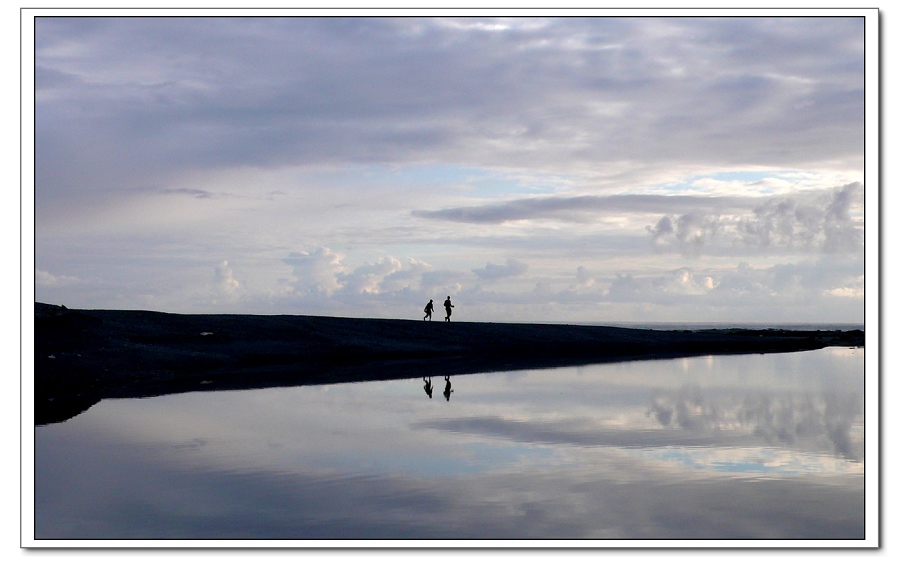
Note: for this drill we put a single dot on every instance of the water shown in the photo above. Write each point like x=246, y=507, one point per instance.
x=722, y=447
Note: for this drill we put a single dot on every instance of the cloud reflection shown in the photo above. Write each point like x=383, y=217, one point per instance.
x=611, y=499
x=804, y=419
x=662, y=450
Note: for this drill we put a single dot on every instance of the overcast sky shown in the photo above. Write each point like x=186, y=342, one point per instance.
x=588, y=170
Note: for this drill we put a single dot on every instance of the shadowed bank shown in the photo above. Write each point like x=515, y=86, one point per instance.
x=84, y=356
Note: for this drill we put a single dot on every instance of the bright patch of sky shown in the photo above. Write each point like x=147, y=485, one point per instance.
x=752, y=183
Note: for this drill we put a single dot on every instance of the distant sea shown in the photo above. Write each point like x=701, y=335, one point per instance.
x=741, y=325
x=725, y=325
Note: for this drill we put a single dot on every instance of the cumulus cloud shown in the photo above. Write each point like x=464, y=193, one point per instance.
x=824, y=223
x=316, y=272
x=855, y=289
x=841, y=232
x=820, y=222
x=322, y=272
x=688, y=232
x=225, y=280
x=583, y=279
x=687, y=282
x=666, y=288
x=442, y=281
x=785, y=292
x=663, y=231
x=493, y=272
x=406, y=277
x=817, y=221
x=368, y=278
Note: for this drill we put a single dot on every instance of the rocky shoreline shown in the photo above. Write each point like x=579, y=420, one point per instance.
x=84, y=356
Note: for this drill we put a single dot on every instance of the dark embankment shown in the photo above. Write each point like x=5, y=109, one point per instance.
x=83, y=356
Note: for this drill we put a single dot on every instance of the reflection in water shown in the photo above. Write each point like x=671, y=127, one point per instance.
x=447, y=389
x=805, y=420
x=737, y=447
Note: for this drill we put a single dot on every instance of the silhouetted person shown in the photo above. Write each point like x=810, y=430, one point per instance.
x=428, y=388
x=447, y=307
x=447, y=390
x=429, y=308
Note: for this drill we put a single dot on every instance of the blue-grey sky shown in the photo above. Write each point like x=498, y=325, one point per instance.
x=638, y=169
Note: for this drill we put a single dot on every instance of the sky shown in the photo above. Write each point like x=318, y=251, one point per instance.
x=587, y=170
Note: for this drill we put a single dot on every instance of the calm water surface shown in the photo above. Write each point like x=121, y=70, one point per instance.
x=733, y=447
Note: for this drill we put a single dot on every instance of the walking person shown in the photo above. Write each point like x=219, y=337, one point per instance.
x=429, y=308
x=448, y=307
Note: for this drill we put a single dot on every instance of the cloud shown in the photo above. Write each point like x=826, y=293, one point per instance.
x=368, y=278
x=442, y=281
x=818, y=221
x=323, y=273
x=405, y=278
x=530, y=94
x=579, y=208
x=593, y=495
x=583, y=279
x=663, y=231
x=565, y=143
x=823, y=222
x=815, y=221
x=855, y=289
x=783, y=292
x=493, y=272
x=195, y=192
x=225, y=280
x=669, y=288
x=698, y=417
x=46, y=279
x=788, y=286
x=688, y=232
x=316, y=272
x=841, y=232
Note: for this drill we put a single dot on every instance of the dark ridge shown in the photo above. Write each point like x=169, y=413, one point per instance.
x=83, y=356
